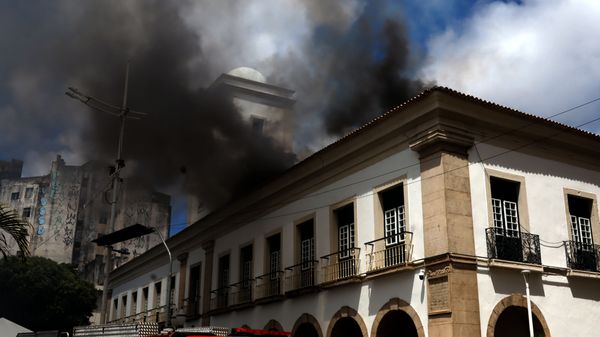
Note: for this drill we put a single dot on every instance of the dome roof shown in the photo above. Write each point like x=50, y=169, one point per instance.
x=248, y=73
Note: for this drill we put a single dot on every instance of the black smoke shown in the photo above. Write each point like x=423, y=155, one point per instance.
x=353, y=75
x=349, y=70
x=191, y=135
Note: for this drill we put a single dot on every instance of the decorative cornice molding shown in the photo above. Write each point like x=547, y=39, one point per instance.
x=439, y=272
x=442, y=137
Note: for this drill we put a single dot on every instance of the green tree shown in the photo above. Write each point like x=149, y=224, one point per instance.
x=13, y=225
x=41, y=294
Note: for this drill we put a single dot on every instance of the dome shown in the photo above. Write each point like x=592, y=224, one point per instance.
x=248, y=73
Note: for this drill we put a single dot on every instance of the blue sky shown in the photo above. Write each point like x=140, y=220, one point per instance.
x=538, y=56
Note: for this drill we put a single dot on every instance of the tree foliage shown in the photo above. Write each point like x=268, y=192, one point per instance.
x=41, y=294
x=13, y=225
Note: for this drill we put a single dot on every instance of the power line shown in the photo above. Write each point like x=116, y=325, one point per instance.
x=480, y=161
x=312, y=195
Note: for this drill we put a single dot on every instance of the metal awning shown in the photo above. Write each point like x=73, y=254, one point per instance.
x=124, y=234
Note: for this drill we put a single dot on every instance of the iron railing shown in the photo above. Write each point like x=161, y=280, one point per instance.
x=191, y=307
x=513, y=246
x=381, y=255
x=582, y=256
x=240, y=293
x=269, y=285
x=158, y=314
x=301, y=275
x=219, y=298
x=340, y=265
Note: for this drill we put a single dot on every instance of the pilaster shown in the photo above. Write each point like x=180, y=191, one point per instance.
x=209, y=248
x=453, y=301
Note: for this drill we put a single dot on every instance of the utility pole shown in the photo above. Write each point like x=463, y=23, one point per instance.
x=123, y=113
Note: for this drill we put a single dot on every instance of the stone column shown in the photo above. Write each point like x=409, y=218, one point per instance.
x=453, y=301
x=208, y=247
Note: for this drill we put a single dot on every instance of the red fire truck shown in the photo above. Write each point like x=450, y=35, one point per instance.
x=152, y=330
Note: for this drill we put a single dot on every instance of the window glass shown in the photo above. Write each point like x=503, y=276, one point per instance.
x=392, y=202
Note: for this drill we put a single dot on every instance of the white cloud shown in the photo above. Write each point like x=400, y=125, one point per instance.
x=542, y=57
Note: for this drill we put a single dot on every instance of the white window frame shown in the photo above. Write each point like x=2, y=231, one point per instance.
x=275, y=264
x=506, y=217
x=394, y=224
x=345, y=240
x=582, y=232
x=307, y=253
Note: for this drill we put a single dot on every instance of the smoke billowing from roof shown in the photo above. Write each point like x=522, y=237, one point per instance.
x=347, y=67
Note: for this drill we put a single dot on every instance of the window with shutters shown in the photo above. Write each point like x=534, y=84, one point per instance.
x=580, y=214
x=346, y=235
x=274, y=251
x=505, y=207
x=307, y=244
x=246, y=266
x=394, y=220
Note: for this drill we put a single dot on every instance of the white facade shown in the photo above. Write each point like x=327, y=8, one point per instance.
x=466, y=289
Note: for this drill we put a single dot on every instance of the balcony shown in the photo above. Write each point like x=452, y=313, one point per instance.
x=191, y=307
x=301, y=276
x=219, y=298
x=512, y=245
x=269, y=285
x=389, y=252
x=240, y=293
x=582, y=256
x=340, y=265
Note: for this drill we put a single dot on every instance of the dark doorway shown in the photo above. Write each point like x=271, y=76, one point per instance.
x=397, y=323
x=306, y=330
x=513, y=322
x=346, y=327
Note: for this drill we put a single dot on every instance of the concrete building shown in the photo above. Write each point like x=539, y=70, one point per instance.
x=420, y=223
x=267, y=108
x=67, y=209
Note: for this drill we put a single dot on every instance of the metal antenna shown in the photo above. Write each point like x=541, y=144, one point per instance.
x=123, y=113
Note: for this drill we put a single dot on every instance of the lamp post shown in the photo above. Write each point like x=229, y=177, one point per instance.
x=135, y=231
x=123, y=112
x=168, y=319
x=525, y=273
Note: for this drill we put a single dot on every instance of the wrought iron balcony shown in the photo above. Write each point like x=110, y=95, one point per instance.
x=390, y=251
x=513, y=245
x=219, y=298
x=301, y=275
x=240, y=293
x=269, y=285
x=582, y=256
x=340, y=265
x=157, y=314
x=192, y=307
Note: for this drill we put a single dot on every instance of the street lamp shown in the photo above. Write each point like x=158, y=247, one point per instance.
x=525, y=273
x=132, y=232
x=123, y=112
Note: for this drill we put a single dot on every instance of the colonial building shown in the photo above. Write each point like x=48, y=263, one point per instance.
x=420, y=223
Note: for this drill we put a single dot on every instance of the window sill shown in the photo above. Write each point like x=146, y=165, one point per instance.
x=583, y=274
x=506, y=264
x=269, y=299
x=388, y=270
x=340, y=282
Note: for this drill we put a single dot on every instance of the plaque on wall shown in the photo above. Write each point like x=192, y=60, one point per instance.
x=438, y=287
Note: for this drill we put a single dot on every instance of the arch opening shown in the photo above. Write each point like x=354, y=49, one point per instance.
x=346, y=327
x=396, y=322
x=306, y=330
x=513, y=322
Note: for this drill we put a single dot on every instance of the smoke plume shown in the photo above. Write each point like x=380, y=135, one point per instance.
x=347, y=62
